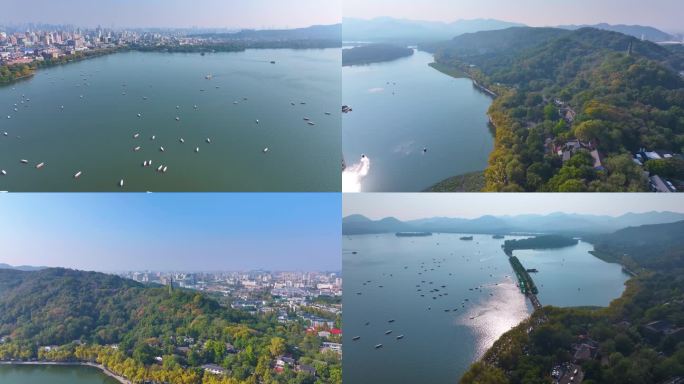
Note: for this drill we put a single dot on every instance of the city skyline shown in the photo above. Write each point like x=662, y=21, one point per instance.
x=411, y=206
x=231, y=14
x=664, y=14
x=172, y=232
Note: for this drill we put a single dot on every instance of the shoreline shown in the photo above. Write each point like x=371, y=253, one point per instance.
x=101, y=367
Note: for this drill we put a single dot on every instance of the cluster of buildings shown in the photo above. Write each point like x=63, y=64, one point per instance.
x=40, y=44
x=657, y=183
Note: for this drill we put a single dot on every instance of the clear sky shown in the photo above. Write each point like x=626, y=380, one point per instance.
x=261, y=14
x=666, y=14
x=409, y=206
x=190, y=231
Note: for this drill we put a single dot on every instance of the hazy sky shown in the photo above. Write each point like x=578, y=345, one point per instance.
x=666, y=14
x=174, y=13
x=408, y=206
x=194, y=231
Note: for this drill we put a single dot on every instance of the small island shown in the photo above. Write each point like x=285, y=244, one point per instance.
x=539, y=242
x=373, y=53
x=413, y=234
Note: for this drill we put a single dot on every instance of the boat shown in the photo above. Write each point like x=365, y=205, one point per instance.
x=181, y=140
x=400, y=337
x=177, y=118
x=356, y=338
x=311, y=123
x=78, y=174
x=139, y=115
x=196, y=149
x=208, y=140
x=4, y=133
x=390, y=321
x=378, y=346
x=273, y=62
x=121, y=183
x=153, y=137
x=145, y=163
x=24, y=161
x=149, y=163
x=165, y=168
x=161, y=149
x=136, y=149
x=208, y=77
x=265, y=149
x=388, y=332
x=306, y=119
x=40, y=165
x=160, y=168
x=257, y=121
x=135, y=136
x=466, y=238
x=3, y=172
x=328, y=113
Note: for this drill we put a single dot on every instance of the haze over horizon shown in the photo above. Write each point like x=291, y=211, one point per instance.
x=662, y=14
x=413, y=206
x=230, y=14
x=172, y=232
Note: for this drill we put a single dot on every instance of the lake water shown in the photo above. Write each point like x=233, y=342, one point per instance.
x=43, y=374
x=402, y=107
x=479, y=291
x=101, y=97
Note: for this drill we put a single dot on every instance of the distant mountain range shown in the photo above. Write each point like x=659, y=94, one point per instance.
x=314, y=32
x=555, y=223
x=638, y=31
x=387, y=29
x=21, y=267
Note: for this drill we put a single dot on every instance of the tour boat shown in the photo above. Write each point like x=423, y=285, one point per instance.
x=136, y=149
x=24, y=161
x=378, y=346
x=121, y=183
x=40, y=165
x=181, y=140
x=265, y=149
x=135, y=136
x=196, y=149
x=78, y=174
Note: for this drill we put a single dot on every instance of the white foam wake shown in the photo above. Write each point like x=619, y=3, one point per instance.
x=354, y=174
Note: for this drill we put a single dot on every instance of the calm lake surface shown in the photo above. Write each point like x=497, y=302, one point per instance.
x=44, y=374
x=479, y=291
x=101, y=98
x=404, y=106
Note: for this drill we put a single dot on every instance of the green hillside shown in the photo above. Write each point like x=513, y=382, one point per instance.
x=84, y=314
x=613, y=92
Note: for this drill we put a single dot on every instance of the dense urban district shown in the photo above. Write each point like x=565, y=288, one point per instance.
x=23, y=52
x=638, y=339
x=573, y=111
x=184, y=328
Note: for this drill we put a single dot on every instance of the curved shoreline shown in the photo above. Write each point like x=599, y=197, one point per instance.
x=101, y=367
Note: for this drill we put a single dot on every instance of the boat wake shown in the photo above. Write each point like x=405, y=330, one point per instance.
x=354, y=174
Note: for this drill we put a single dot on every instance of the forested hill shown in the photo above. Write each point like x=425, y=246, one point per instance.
x=613, y=92
x=130, y=327
x=659, y=247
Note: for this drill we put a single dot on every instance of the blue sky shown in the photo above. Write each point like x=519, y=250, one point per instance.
x=665, y=14
x=409, y=206
x=191, y=231
x=174, y=13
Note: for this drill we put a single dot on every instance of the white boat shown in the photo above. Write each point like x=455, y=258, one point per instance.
x=196, y=149
x=257, y=121
x=149, y=163
x=136, y=149
x=306, y=119
x=177, y=118
x=153, y=137
x=78, y=174
x=165, y=168
x=4, y=133
x=3, y=172
x=181, y=140
x=160, y=168
x=145, y=163
x=177, y=106
x=265, y=149
x=311, y=123
x=161, y=149
x=9, y=117
x=208, y=140
x=235, y=102
x=139, y=115
x=121, y=183
x=24, y=161
x=135, y=136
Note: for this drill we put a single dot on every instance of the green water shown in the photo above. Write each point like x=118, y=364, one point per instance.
x=48, y=374
x=402, y=107
x=479, y=291
x=101, y=97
